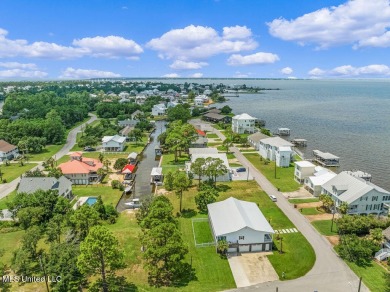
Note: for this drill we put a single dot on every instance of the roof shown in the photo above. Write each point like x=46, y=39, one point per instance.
x=126, y=130
x=200, y=140
x=232, y=215
x=203, y=151
x=30, y=185
x=156, y=171
x=276, y=142
x=129, y=168
x=325, y=155
x=200, y=132
x=215, y=111
x=76, y=154
x=132, y=155
x=386, y=233
x=5, y=146
x=323, y=177
x=304, y=163
x=352, y=188
x=285, y=148
x=115, y=138
x=221, y=156
x=76, y=166
x=256, y=137
x=244, y=116
x=214, y=116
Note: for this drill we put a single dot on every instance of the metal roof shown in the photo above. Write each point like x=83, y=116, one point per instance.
x=244, y=116
x=256, y=137
x=276, y=141
x=232, y=215
x=203, y=151
x=304, y=163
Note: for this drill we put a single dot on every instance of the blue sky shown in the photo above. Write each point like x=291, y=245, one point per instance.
x=73, y=39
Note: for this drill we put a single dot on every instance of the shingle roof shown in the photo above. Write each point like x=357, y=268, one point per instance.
x=32, y=184
x=232, y=215
x=5, y=146
x=256, y=137
x=352, y=187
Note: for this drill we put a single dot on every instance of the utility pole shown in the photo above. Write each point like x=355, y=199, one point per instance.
x=360, y=284
x=44, y=272
x=275, y=168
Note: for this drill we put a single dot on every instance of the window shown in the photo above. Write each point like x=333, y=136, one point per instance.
x=267, y=237
x=374, y=198
x=241, y=237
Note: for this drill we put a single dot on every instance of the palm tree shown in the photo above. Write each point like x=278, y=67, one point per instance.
x=227, y=143
x=197, y=168
x=106, y=164
x=180, y=184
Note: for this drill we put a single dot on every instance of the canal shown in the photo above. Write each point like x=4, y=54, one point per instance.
x=142, y=187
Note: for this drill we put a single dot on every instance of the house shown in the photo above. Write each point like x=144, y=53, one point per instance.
x=254, y=139
x=303, y=169
x=205, y=155
x=128, y=171
x=202, y=151
x=326, y=158
x=315, y=182
x=201, y=141
x=172, y=104
x=140, y=99
x=80, y=170
x=128, y=122
x=216, y=118
x=241, y=224
x=30, y=185
x=126, y=131
x=159, y=109
x=214, y=111
x=8, y=151
x=156, y=176
x=132, y=157
x=362, y=197
x=198, y=101
x=113, y=143
x=243, y=123
x=276, y=149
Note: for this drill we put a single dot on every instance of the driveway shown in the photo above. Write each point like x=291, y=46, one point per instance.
x=251, y=269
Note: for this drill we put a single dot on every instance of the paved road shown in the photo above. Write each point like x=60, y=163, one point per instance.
x=329, y=273
x=6, y=189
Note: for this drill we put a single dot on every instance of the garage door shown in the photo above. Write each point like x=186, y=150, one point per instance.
x=268, y=246
x=244, y=248
x=257, y=247
x=232, y=249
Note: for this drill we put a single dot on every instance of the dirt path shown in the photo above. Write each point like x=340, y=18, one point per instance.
x=320, y=217
x=309, y=205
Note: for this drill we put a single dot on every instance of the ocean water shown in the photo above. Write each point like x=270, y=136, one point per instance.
x=348, y=118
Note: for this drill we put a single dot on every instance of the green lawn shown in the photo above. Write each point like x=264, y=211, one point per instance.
x=235, y=164
x=284, y=180
x=9, y=198
x=46, y=153
x=310, y=211
x=202, y=231
x=169, y=164
x=324, y=226
x=9, y=242
x=373, y=276
x=230, y=156
x=211, y=144
x=212, y=135
x=15, y=170
x=300, y=201
x=109, y=195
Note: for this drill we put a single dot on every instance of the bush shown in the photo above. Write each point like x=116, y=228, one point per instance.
x=115, y=184
x=360, y=225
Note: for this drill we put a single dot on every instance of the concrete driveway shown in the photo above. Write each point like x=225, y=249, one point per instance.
x=251, y=269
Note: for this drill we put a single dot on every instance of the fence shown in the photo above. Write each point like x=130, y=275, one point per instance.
x=203, y=244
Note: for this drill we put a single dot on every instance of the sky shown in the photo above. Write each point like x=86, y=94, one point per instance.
x=79, y=39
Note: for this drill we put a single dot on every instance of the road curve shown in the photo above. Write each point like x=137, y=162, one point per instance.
x=6, y=189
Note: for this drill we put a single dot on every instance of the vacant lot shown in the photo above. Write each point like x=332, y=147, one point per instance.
x=15, y=170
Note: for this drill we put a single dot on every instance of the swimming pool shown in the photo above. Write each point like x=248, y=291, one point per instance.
x=91, y=200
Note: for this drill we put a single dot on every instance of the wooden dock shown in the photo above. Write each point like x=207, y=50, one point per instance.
x=299, y=142
x=326, y=158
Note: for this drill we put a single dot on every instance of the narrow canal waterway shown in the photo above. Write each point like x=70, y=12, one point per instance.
x=142, y=188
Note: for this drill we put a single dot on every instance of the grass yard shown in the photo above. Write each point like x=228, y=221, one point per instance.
x=235, y=164
x=15, y=170
x=284, y=180
x=310, y=211
x=169, y=164
x=212, y=135
x=300, y=201
x=211, y=144
x=4, y=201
x=202, y=231
x=324, y=226
x=46, y=153
x=230, y=156
x=9, y=242
x=109, y=195
x=373, y=276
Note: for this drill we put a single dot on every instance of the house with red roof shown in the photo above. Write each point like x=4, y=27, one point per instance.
x=201, y=140
x=81, y=170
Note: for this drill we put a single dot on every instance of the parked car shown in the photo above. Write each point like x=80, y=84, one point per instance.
x=134, y=203
x=88, y=148
x=273, y=198
x=241, y=169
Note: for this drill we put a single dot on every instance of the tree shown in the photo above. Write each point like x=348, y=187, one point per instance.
x=106, y=164
x=355, y=249
x=120, y=163
x=206, y=196
x=343, y=208
x=168, y=181
x=101, y=157
x=136, y=135
x=83, y=219
x=180, y=184
x=198, y=168
x=214, y=168
x=55, y=228
x=178, y=112
x=376, y=236
x=99, y=207
x=327, y=202
x=227, y=143
x=158, y=211
x=164, y=254
x=30, y=241
x=34, y=173
x=226, y=110
x=222, y=246
x=55, y=172
x=99, y=254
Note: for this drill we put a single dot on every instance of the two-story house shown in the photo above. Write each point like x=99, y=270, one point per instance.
x=30, y=185
x=7, y=151
x=113, y=143
x=276, y=149
x=243, y=123
x=159, y=109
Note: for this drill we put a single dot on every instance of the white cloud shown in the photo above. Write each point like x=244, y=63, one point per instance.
x=171, y=75
x=200, y=42
x=376, y=41
x=183, y=65
x=316, y=72
x=257, y=58
x=110, y=46
x=71, y=73
x=359, y=22
x=236, y=32
x=12, y=65
x=197, y=75
x=239, y=74
x=351, y=71
x=287, y=71
x=20, y=73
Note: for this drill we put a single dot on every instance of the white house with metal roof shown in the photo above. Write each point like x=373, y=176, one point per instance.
x=362, y=197
x=314, y=182
x=113, y=143
x=243, y=123
x=276, y=149
x=241, y=224
x=303, y=169
x=159, y=109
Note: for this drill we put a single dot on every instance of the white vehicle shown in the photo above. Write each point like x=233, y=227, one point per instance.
x=273, y=198
x=134, y=203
